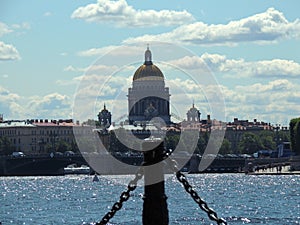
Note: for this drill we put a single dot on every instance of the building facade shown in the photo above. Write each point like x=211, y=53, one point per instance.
x=148, y=97
x=40, y=136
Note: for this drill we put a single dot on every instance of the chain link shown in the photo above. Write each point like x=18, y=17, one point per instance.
x=202, y=204
x=180, y=177
x=123, y=198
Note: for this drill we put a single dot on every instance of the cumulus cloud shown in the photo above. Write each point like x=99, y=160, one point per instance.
x=114, y=50
x=53, y=105
x=266, y=27
x=8, y=101
x=239, y=68
x=8, y=52
x=121, y=14
x=276, y=101
x=4, y=29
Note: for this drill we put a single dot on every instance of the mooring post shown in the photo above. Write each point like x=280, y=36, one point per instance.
x=155, y=209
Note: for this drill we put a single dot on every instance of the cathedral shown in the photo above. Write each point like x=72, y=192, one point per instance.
x=148, y=97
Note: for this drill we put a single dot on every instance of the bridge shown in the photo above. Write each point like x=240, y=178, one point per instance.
x=37, y=165
x=47, y=165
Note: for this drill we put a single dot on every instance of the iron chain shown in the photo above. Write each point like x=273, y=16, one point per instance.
x=202, y=204
x=123, y=198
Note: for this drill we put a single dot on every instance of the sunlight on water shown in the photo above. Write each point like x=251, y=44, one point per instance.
x=77, y=200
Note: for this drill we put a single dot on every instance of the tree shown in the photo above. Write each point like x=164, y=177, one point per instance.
x=172, y=140
x=5, y=146
x=92, y=122
x=267, y=139
x=250, y=143
x=63, y=146
x=295, y=135
x=225, y=147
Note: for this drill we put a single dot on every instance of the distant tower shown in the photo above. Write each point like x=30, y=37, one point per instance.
x=148, y=97
x=104, y=117
x=193, y=115
x=1, y=118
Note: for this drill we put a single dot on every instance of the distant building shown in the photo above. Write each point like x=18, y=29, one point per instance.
x=35, y=136
x=104, y=118
x=194, y=122
x=193, y=115
x=148, y=97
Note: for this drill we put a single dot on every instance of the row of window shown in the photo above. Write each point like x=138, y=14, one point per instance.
x=40, y=141
x=14, y=132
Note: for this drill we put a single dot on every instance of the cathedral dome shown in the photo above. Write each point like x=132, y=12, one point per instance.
x=148, y=71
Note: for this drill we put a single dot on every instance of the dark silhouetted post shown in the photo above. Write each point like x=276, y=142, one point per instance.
x=155, y=209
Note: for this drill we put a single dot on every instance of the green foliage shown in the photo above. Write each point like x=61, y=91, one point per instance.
x=115, y=144
x=201, y=145
x=63, y=146
x=268, y=139
x=172, y=140
x=295, y=135
x=92, y=122
x=297, y=138
x=5, y=146
x=250, y=143
x=225, y=147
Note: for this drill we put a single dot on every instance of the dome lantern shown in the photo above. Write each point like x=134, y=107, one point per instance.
x=148, y=56
x=148, y=71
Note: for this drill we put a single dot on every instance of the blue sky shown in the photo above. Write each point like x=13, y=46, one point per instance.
x=251, y=47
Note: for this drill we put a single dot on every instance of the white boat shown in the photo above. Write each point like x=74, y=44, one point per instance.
x=77, y=170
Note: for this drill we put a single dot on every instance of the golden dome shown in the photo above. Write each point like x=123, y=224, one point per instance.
x=148, y=71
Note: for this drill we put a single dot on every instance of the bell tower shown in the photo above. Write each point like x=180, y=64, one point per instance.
x=104, y=117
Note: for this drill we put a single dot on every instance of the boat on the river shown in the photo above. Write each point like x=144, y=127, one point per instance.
x=77, y=170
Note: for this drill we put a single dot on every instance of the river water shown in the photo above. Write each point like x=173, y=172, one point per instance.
x=239, y=198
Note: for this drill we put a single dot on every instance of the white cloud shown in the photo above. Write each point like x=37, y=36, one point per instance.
x=276, y=101
x=121, y=14
x=23, y=25
x=266, y=27
x=53, y=105
x=239, y=68
x=8, y=52
x=102, y=69
x=7, y=101
x=113, y=50
x=46, y=14
x=4, y=29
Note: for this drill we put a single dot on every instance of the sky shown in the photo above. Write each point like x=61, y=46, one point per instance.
x=52, y=53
